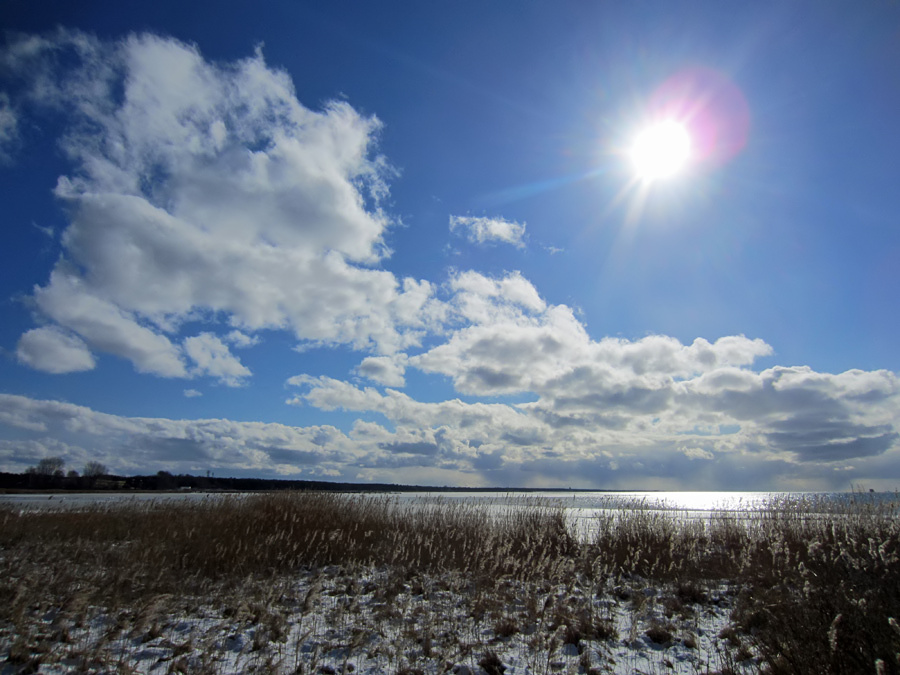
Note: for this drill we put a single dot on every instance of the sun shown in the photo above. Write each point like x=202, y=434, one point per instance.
x=661, y=150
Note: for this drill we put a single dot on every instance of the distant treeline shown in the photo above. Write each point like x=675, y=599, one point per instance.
x=163, y=480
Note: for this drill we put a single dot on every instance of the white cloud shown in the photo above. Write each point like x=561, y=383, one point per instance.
x=107, y=327
x=480, y=230
x=479, y=299
x=652, y=397
x=192, y=393
x=46, y=230
x=213, y=357
x=511, y=341
x=210, y=190
x=490, y=358
x=697, y=453
x=386, y=370
x=810, y=416
x=240, y=340
x=54, y=351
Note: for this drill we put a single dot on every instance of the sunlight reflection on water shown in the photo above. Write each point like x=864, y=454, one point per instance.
x=656, y=501
x=578, y=505
x=583, y=508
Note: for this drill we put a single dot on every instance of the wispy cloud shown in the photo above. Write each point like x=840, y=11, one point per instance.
x=241, y=340
x=480, y=230
x=9, y=131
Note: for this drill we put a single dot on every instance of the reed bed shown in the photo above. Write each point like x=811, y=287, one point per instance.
x=810, y=587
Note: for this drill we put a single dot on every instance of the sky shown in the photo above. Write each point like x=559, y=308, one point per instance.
x=406, y=242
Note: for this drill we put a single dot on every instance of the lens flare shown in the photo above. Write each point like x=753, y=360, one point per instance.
x=712, y=109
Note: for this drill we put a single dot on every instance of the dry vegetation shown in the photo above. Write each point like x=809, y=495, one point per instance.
x=813, y=590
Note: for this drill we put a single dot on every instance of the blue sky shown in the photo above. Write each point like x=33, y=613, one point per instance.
x=404, y=242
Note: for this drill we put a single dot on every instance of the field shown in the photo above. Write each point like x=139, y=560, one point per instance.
x=329, y=583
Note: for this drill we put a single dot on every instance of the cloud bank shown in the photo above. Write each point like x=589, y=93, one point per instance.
x=725, y=427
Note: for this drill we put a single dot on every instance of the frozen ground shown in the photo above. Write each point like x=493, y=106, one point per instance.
x=370, y=622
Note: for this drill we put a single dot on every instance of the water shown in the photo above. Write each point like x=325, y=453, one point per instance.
x=676, y=502
x=681, y=504
x=583, y=508
x=579, y=506
x=76, y=500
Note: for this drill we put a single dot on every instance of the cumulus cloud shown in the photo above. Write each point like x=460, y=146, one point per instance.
x=480, y=230
x=107, y=327
x=479, y=299
x=616, y=402
x=811, y=416
x=386, y=370
x=54, y=351
x=507, y=324
x=202, y=189
x=697, y=453
x=192, y=393
x=613, y=401
x=213, y=357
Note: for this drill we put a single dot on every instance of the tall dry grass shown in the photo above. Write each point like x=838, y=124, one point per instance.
x=129, y=550
x=819, y=585
x=819, y=580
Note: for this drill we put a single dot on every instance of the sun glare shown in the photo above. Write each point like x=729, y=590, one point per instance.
x=661, y=150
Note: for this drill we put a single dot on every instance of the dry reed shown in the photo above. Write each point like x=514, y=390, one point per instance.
x=819, y=585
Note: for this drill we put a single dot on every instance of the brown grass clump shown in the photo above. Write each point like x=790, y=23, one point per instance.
x=659, y=633
x=506, y=627
x=819, y=580
x=492, y=664
x=823, y=588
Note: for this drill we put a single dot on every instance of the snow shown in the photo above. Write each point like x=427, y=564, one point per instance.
x=375, y=621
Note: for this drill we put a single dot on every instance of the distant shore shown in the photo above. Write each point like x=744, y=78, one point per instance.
x=162, y=481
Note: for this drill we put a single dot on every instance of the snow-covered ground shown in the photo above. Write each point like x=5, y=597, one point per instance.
x=374, y=621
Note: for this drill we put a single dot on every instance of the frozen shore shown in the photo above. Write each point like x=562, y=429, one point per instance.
x=371, y=622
